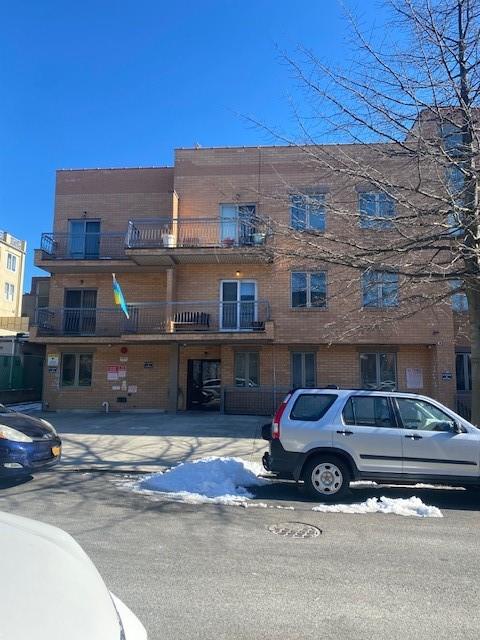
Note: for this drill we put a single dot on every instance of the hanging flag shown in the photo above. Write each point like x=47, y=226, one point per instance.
x=119, y=297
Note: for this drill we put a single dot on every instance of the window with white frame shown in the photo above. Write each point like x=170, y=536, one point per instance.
x=380, y=289
x=377, y=209
x=307, y=211
x=9, y=291
x=303, y=370
x=458, y=298
x=309, y=290
x=11, y=262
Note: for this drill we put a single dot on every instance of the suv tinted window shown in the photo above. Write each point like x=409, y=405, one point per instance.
x=312, y=406
x=373, y=411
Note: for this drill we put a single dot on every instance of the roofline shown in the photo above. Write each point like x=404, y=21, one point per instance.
x=115, y=168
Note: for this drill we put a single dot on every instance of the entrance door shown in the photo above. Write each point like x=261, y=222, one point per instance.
x=238, y=305
x=203, y=385
x=84, y=239
x=80, y=311
x=237, y=224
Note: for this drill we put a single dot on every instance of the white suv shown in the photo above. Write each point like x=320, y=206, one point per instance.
x=329, y=437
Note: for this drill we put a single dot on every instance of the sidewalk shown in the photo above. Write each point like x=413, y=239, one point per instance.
x=153, y=442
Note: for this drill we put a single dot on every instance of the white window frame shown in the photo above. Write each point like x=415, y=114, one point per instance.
x=9, y=292
x=379, y=285
x=11, y=262
x=303, y=355
x=76, y=384
x=378, y=355
x=238, y=282
x=379, y=220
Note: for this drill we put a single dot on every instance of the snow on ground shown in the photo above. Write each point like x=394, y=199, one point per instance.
x=399, y=506
x=359, y=484
x=208, y=480
x=26, y=407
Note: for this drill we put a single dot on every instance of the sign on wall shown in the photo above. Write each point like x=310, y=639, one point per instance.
x=414, y=378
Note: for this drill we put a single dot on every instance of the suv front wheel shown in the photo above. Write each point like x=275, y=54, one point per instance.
x=326, y=477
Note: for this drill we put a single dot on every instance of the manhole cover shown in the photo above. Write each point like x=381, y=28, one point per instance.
x=295, y=530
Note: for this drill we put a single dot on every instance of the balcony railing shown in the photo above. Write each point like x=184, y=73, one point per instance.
x=83, y=246
x=155, y=318
x=195, y=232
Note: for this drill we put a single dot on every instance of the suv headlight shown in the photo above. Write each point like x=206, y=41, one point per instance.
x=7, y=433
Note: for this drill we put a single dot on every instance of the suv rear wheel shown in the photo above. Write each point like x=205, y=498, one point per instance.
x=326, y=477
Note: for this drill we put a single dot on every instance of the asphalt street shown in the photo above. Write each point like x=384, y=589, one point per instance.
x=218, y=572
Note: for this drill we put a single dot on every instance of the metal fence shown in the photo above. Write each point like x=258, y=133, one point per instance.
x=155, y=318
x=84, y=246
x=195, y=232
x=21, y=372
x=261, y=401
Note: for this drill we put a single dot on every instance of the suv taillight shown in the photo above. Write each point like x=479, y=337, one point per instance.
x=278, y=416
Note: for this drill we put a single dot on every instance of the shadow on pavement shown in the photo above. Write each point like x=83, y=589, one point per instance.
x=444, y=498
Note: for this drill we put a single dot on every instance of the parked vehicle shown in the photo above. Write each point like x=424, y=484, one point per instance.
x=329, y=437
x=51, y=590
x=27, y=444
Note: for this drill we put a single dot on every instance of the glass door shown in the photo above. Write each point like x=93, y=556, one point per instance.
x=84, y=239
x=80, y=311
x=238, y=305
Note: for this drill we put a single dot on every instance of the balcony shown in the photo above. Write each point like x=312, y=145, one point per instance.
x=84, y=251
x=196, y=240
x=164, y=320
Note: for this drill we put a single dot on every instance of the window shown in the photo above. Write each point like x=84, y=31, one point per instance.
x=463, y=369
x=247, y=369
x=9, y=292
x=378, y=370
x=84, y=239
x=376, y=210
x=455, y=182
x=452, y=138
x=312, y=406
x=237, y=224
x=11, y=262
x=77, y=369
x=421, y=415
x=308, y=212
x=303, y=370
x=380, y=289
x=373, y=411
x=309, y=289
x=458, y=298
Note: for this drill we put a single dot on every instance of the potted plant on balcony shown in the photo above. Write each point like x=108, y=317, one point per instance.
x=259, y=237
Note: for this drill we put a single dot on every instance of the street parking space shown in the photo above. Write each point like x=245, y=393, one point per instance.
x=212, y=571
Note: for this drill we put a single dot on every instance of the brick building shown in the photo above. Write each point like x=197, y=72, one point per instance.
x=215, y=318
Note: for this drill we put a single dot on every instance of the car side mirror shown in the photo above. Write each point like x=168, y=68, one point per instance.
x=457, y=428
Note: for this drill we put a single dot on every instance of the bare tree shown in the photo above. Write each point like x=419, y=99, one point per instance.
x=406, y=114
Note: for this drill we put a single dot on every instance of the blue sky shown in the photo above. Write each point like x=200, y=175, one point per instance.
x=115, y=83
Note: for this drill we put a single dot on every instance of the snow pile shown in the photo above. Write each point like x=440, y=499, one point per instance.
x=208, y=480
x=399, y=506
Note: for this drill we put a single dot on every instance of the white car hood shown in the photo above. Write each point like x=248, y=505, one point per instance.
x=50, y=589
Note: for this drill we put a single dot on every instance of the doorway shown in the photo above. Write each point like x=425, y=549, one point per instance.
x=203, y=385
x=238, y=305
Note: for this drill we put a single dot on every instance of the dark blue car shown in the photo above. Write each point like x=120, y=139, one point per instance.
x=27, y=444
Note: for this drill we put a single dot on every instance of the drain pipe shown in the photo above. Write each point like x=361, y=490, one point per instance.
x=106, y=406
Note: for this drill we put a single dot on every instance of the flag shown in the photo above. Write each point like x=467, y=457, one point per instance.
x=119, y=297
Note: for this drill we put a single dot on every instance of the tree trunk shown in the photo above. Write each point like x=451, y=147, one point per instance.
x=474, y=311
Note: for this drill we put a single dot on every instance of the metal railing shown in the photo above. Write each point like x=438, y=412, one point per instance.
x=84, y=246
x=196, y=232
x=155, y=318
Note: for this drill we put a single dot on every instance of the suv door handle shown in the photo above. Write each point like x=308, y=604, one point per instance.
x=414, y=437
x=345, y=433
